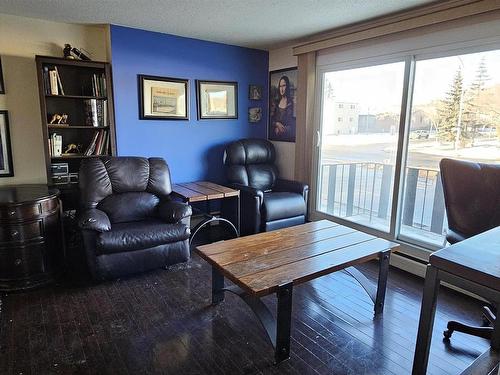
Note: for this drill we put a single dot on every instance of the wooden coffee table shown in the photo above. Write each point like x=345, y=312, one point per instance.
x=275, y=262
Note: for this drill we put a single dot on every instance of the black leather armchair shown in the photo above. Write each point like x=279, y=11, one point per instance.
x=128, y=221
x=267, y=202
x=472, y=200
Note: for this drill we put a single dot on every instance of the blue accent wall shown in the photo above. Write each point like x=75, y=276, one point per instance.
x=193, y=149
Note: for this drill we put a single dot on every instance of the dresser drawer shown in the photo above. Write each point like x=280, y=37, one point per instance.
x=21, y=262
x=20, y=212
x=20, y=232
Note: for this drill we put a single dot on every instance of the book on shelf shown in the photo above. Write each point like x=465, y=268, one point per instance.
x=55, y=145
x=99, y=85
x=99, y=145
x=59, y=81
x=52, y=81
x=96, y=112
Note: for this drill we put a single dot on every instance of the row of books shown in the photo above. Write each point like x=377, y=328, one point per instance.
x=96, y=112
x=52, y=81
x=99, y=84
x=99, y=144
x=55, y=145
x=53, y=86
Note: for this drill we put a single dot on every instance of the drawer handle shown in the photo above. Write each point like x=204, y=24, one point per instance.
x=15, y=234
x=17, y=262
x=12, y=213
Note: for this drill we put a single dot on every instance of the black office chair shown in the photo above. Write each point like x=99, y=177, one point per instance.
x=472, y=199
x=267, y=202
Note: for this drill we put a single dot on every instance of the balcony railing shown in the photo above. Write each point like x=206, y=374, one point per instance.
x=362, y=192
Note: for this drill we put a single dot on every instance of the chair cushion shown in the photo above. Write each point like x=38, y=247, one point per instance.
x=282, y=205
x=140, y=235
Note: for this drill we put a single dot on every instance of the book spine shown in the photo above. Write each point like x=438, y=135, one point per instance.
x=46, y=80
x=59, y=80
x=95, y=120
x=53, y=83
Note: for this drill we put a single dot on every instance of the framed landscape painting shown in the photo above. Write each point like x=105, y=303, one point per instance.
x=282, y=104
x=163, y=98
x=6, y=167
x=217, y=99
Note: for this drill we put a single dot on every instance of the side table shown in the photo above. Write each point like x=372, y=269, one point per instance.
x=205, y=191
x=474, y=265
x=31, y=236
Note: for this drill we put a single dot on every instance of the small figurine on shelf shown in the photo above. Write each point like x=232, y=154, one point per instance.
x=72, y=148
x=73, y=52
x=58, y=119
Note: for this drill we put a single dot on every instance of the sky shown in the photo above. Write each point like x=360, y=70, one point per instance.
x=379, y=88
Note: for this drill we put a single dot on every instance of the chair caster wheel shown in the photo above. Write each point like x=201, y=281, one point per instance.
x=447, y=334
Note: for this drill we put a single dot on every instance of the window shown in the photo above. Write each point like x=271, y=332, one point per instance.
x=455, y=107
x=456, y=102
x=357, y=164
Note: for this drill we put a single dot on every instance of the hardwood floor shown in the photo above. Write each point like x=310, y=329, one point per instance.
x=162, y=322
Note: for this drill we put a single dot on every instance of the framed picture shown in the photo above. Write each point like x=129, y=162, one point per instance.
x=282, y=104
x=254, y=114
x=6, y=168
x=217, y=100
x=254, y=92
x=163, y=98
x=2, y=85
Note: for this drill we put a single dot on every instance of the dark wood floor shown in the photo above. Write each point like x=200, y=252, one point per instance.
x=162, y=322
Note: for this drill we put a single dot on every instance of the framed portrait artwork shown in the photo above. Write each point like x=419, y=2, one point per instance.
x=282, y=104
x=6, y=168
x=254, y=92
x=217, y=99
x=254, y=114
x=163, y=98
x=2, y=85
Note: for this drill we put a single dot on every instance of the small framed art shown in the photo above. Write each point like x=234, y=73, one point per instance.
x=217, y=99
x=6, y=167
x=254, y=92
x=163, y=98
x=254, y=114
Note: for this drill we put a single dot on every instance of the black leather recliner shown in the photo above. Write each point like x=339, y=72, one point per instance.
x=267, y=202
x=128, y=221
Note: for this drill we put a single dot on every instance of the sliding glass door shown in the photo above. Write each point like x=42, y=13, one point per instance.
x=455, y=114
x=447, y=106
x=359, y=129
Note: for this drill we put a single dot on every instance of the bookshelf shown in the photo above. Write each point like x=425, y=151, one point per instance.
x=82, y=90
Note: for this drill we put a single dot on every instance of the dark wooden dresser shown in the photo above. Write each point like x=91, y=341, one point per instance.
x=31, y=236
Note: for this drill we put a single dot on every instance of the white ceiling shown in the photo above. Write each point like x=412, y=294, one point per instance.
x=250, y=23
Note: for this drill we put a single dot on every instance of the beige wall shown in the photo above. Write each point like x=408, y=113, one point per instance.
x=285, y=151
x=20, y=40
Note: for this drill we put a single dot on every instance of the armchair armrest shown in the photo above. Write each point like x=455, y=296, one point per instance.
x=292, y=186
x=248, y=192
x=94, y=219
x=173, y=211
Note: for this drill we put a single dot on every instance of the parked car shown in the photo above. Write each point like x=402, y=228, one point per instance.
x=419, y=134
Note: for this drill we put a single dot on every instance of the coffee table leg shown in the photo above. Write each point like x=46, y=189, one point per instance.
x=217, y=286
x=383, y=262
x=283, y=323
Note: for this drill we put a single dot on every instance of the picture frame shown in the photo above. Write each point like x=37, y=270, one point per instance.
x=2, y=84
x=255, y=92
x=163, y=98
x=217, y=100
x=254, y=114
x=6, y=165
x=282, y=105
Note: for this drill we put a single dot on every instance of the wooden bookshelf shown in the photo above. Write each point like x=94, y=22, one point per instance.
x=83, y=83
